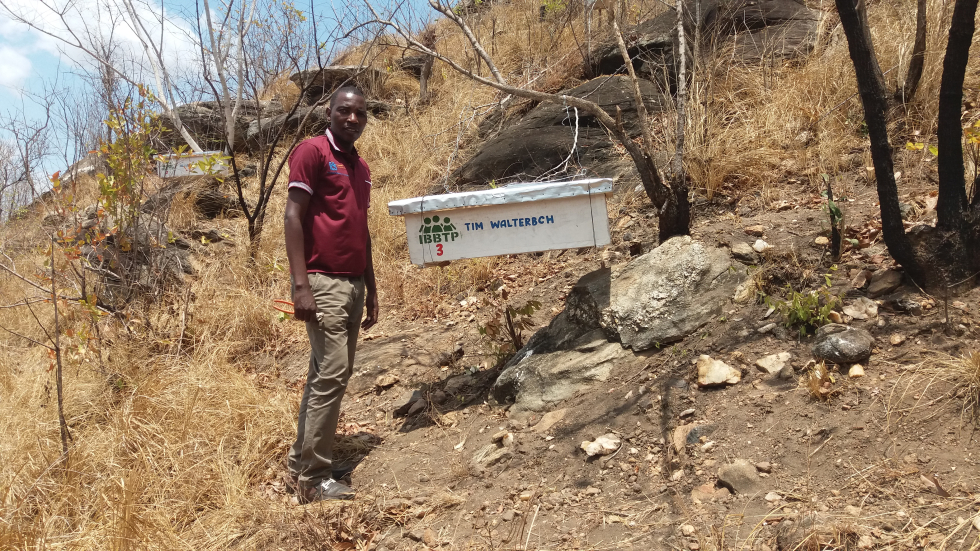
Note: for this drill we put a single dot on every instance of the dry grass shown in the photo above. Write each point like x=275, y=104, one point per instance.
x=169, y=450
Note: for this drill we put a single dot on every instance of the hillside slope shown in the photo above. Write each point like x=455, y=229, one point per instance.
x=181, y=405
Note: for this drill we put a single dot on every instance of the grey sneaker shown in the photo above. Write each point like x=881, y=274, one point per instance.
x=326, y=490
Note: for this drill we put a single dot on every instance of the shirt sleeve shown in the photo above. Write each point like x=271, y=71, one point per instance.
x=305, y=165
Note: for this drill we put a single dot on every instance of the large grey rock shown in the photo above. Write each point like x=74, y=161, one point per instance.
x=320, y=83
x=754, y=29
x=667, y=294
x=205, y=121
x=842, y=344
x=541, y=139
x=660, y=297
x=770, y=29
x=538, y=381
x=740, y=477
x=263, y=130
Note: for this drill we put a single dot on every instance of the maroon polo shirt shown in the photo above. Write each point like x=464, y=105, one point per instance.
x=335, y=230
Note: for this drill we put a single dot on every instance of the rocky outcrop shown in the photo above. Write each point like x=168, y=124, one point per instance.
x=540, y=380
x=754, y=29
x=259, y=122
x=320, y=83
x=210, y=197
x=667, y=294
x=770, y=29
x=205, y=122
x=541, y=140
x=657, y=298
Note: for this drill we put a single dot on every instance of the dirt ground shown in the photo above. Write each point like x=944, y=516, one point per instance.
x=886, y=461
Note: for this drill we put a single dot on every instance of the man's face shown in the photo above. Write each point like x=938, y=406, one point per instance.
x=348, y=116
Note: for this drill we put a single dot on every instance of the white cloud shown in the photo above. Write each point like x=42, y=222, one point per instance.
x=15, y=68
x=89, y=22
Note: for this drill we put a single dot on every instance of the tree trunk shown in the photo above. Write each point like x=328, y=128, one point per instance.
x=424, y=79
x=952, y=183
x=918, y=55
x=871, y=85
x=678, y=208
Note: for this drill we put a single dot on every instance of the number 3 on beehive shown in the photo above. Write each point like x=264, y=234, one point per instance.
x=439, y=249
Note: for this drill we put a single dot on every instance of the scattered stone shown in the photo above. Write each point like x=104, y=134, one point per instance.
x=760, y=246
x=417, y=406
x=386, y=380
x=679, y=437
x=395, y=505
x=862, y=308
x=604, y=445
x=429, y=538
x=687, y=413
x=508, y=515
x=773, y=497
x=743, y=252
x=499, y=436
x=821, y=241
x=405, y=402
x=459, y=383
x=787, y=372
x=740, y=477
x=896, y=339
x=716, y=372
x=591, y=491
x=438, y=397
x=757, y=230
x=856, y=371
x=866, y=542
x=767, y=328
x=707, y=492
x=687, y=530
x=884, y=281
x=416, y=535
x=773, y=363
x=902, y=302
x=764, y=467
x=549, y=420
x=976, y=522
x=842, y=344
x=853, y=511
x=835, y=317
x=861, y=278
x=488, y=456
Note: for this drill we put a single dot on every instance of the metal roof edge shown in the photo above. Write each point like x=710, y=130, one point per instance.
x=514, y=193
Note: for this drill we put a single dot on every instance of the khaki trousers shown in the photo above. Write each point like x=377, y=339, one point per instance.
x=333, y=339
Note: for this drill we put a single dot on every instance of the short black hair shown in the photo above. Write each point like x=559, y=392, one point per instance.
x=347, y=88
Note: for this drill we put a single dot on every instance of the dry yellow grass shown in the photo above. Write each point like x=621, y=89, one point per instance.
x=169, y=449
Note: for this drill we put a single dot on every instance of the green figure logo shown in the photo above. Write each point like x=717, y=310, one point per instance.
x=434, y=230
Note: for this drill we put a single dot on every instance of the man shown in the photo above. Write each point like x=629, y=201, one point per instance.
x=329, y=251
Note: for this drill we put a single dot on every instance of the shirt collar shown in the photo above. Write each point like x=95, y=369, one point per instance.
x=333, y=144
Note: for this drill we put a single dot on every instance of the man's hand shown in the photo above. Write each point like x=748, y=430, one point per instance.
x=371, y=305
x=304, y=305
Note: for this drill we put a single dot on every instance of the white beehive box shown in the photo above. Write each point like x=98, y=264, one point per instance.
x=519, y=218
x=173, y=165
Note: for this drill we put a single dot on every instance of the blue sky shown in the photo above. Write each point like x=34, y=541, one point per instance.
x=31, y=62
